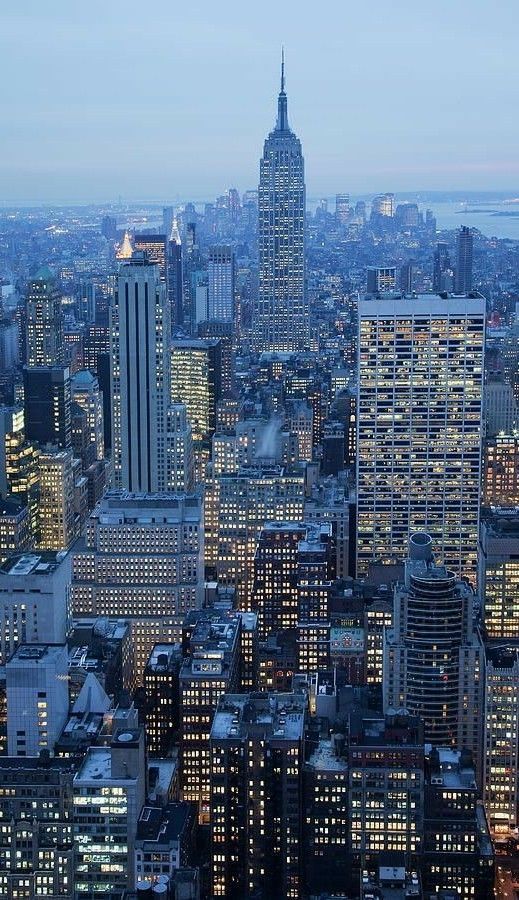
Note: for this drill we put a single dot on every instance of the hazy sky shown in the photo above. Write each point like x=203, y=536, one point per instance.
x=165, y=100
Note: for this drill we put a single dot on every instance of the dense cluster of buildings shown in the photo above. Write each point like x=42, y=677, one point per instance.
x=259, y=552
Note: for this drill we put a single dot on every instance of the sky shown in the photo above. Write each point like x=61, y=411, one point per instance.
x=172, y=99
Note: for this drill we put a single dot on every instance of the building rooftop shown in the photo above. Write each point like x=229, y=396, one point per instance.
x=394, y=304
x=124, y=507
x=395, y=729
x=164, y=658
x=12, y=508
x=211, y=644
x=273, y=716
x=450, y=768
x=161, y=826
x=325, y=758
x=39, y=563
x=33, y=654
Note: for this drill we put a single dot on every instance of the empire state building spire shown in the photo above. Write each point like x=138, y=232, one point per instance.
x=281, y=316
x=282, y=122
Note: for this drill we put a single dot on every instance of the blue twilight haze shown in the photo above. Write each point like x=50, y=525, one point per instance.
x=173, y=100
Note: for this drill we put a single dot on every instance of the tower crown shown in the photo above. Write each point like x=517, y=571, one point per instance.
x=282, y=120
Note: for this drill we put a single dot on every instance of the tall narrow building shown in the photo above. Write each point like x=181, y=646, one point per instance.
x=464, y=254
x=419, y=427
x=221, y=284
x=142, y=438
x=281, y=314
x=45, y=346
x=175, y=276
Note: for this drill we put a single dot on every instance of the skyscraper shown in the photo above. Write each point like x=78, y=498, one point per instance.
x=141, y=558
x=221, y=284
x=155, y=248
x=140, y=325
x=443, y=275
x=175, y=276
x=281, y=314
x=464, y=253
x=47, y=399
x=433, y=656
x=257, y=754
x=419, y=427
x=45, y=346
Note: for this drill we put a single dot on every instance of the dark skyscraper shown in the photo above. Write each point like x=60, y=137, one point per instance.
x=464, y=252
x=281, y=315
x=442, y=268
x=175, y=276
x=47, y=399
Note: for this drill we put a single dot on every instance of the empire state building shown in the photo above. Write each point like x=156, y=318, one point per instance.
x=281, y=313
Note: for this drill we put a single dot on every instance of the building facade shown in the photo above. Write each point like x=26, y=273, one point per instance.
x=281, y=313
x=419, y=427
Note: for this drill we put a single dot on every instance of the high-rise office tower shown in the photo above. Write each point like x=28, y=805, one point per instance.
x=168, y=214
x=237, y=507
x=501, y=470
x=15, y=532
x=501, y=740
x=433, y=657
x=386, y=774
x=37, y=698
x=38, y=853
x=34, y=600
x=257, y=755
x=342, y=208
x=155, y=248
x=196, y=381
x=109, y=793
x=19, y=470
x=457, y=857
x=141, y=378
x=175, y=275
x=86, y=393
x=383, y=205
x=498, y=576
x=464, y=254
x=221, y=284
x=419, y=427
x=211, y=668
x=223, y=333
x=141, y=559
x=275, y=586
x=45, y=346
x=281, y=314
x=96, y=341
x=161, y=686
x=326, y=828
x=381, y=279
x=47, y=399
x=443, y=273
x=58, y=522
x=501, y=408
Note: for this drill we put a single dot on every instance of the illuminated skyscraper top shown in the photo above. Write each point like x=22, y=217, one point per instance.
x=281, y=314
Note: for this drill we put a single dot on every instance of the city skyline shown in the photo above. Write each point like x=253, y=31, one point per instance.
x=374, y=115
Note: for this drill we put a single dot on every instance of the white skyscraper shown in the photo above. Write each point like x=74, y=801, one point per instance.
x=221, y=284
x=419, y=427
x=141, y=378
x=140, y=321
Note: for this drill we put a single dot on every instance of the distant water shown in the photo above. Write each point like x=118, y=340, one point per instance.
x=493, y=217
x=450, y=214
